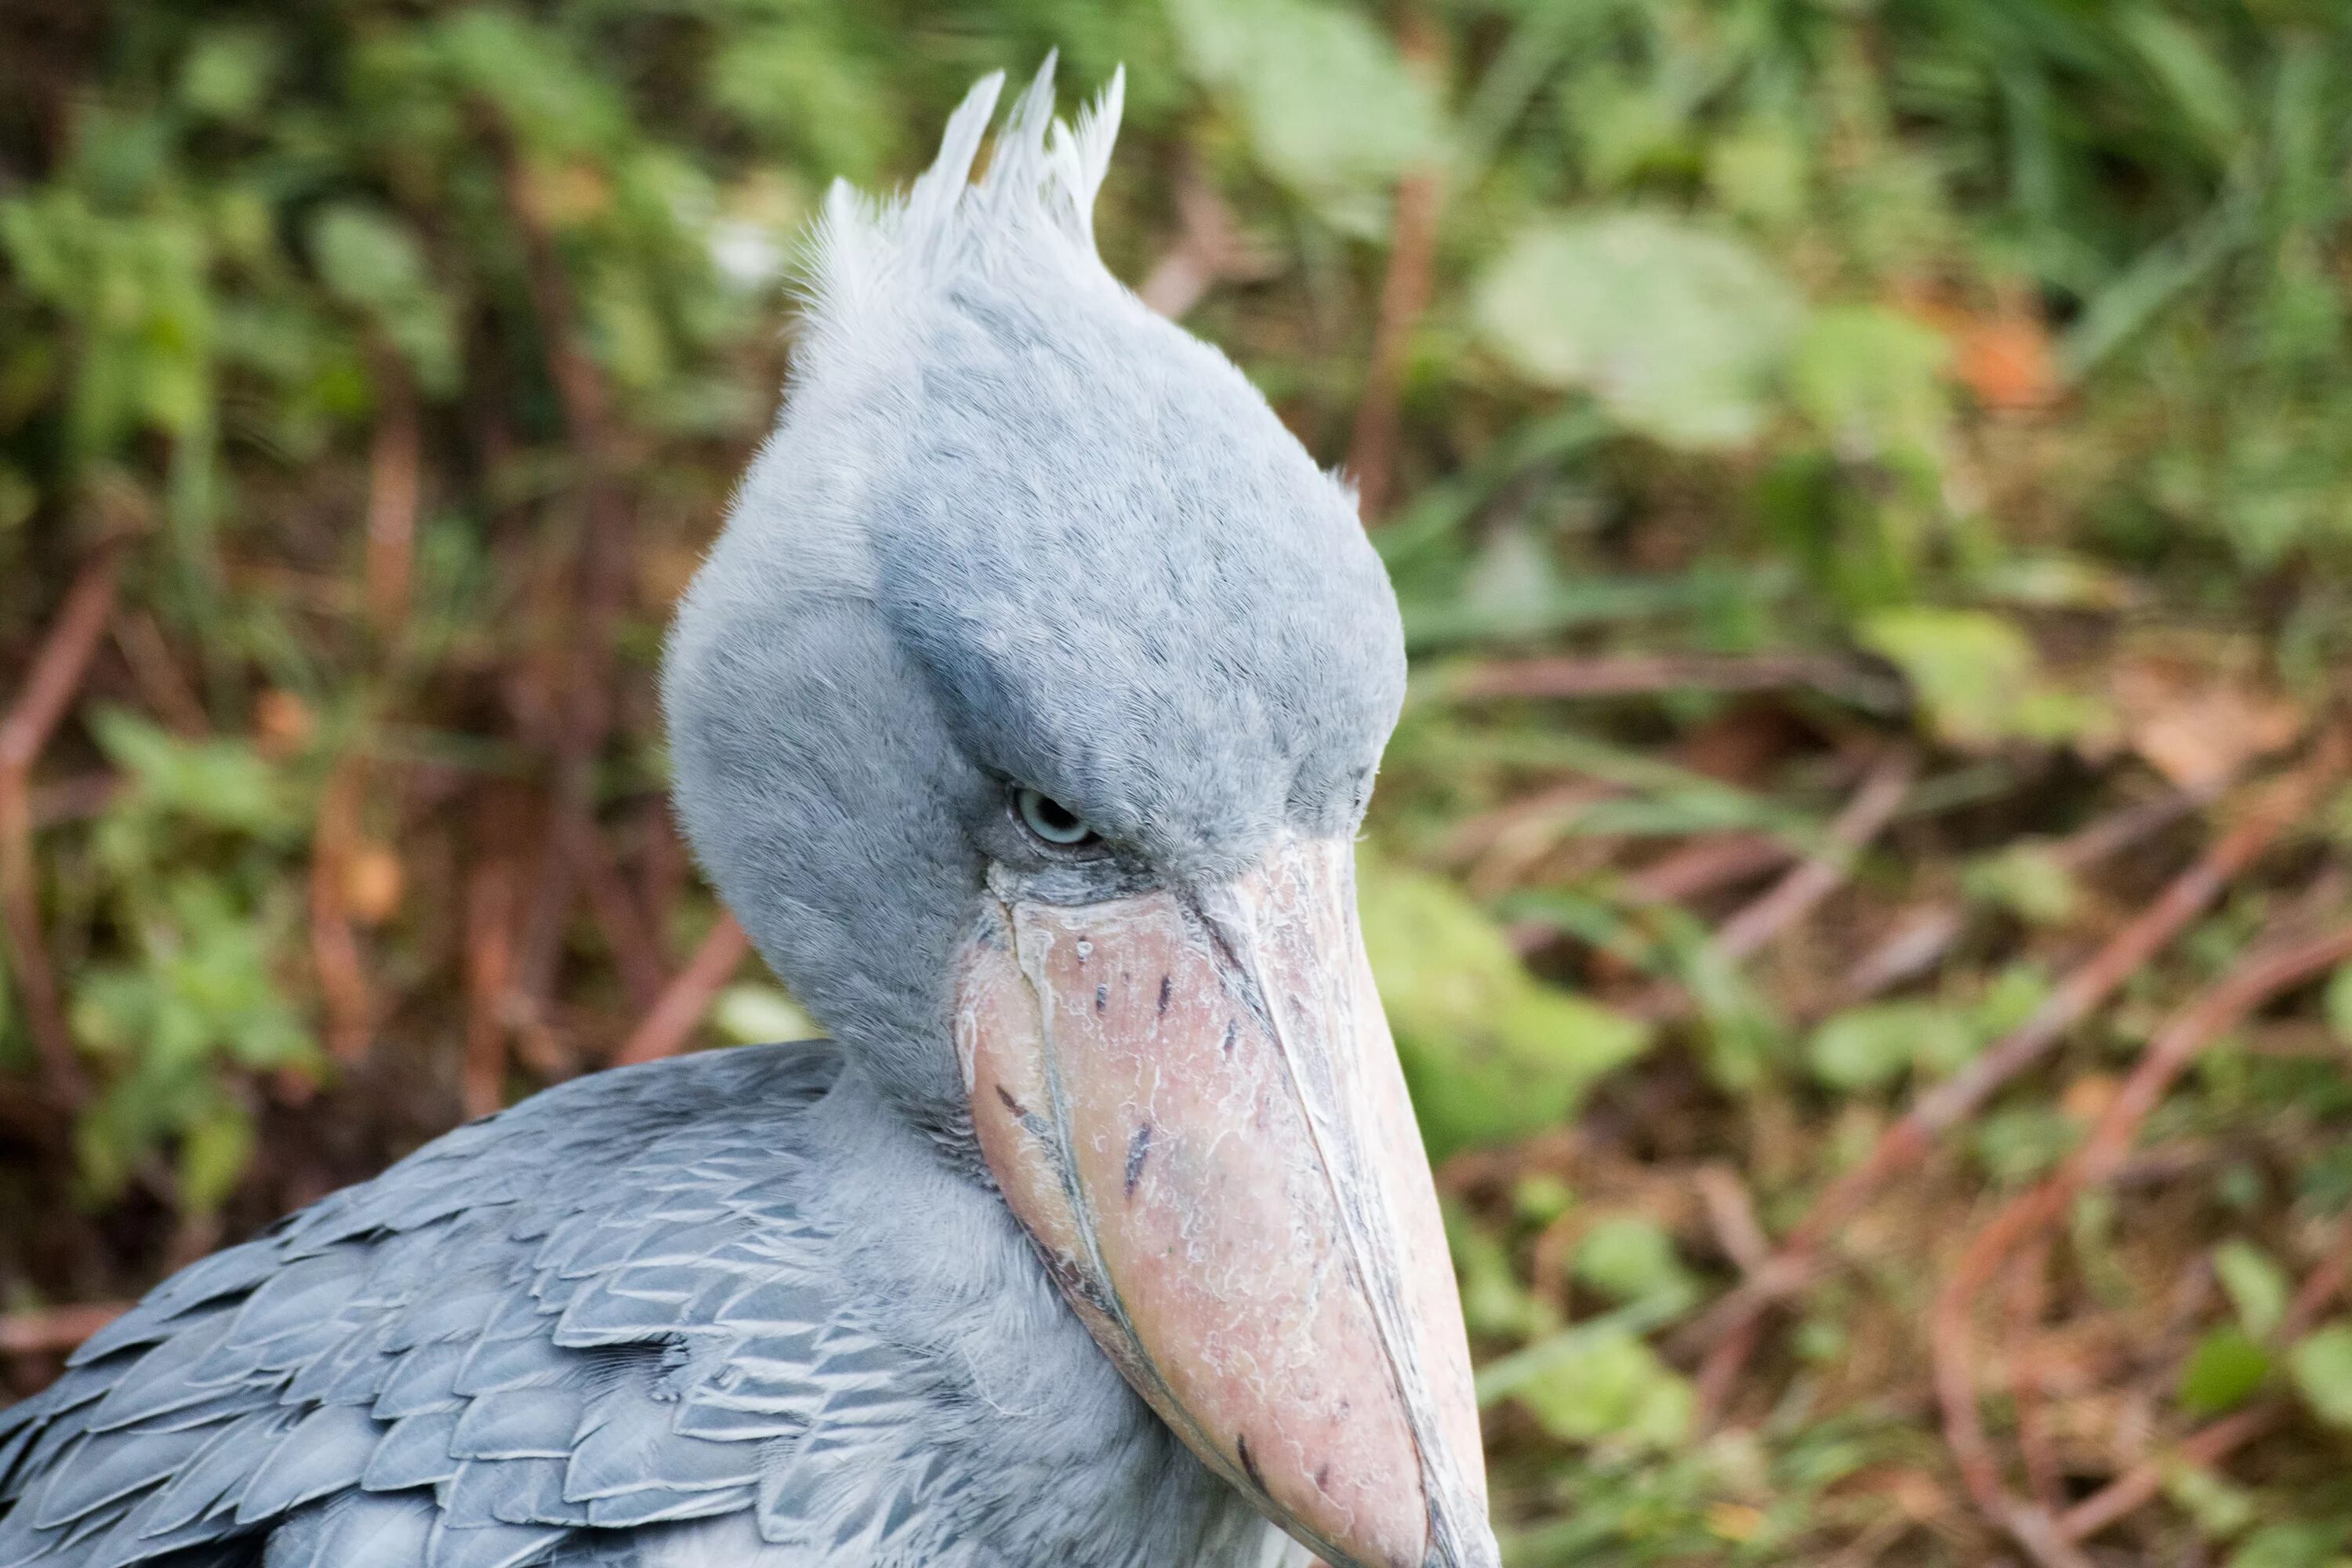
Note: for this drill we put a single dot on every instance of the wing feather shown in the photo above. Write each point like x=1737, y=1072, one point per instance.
x=494, y=1345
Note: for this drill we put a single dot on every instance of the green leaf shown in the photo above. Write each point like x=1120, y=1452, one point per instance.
x=214, y=1152
x=20, y=497
x=1339, y=131
x=2019, y=1142
x=2008, y=999
x=1490, y=1052
x=2322, y=1365
x=2257, y=1287
x=1677, y=330
x=1495, y=1304
x=2223, y=1372
x=1976, y=676
x=222, y=783
x=2217, y=1506
x=796, y=82
x=753, y=1015
x=2300, y=1544
x=1871, y=382
x=367, y=259
x=1597, y=1381
x=227, y=72
x=1629, y=1258
x=1538, y=1197
x=1760, y=171
x=1869, y=1047
x=2203, y=92
x=2024, y=879
x=2337, y=1004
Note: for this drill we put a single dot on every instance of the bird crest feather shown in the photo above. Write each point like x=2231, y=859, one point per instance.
x=1038, y=190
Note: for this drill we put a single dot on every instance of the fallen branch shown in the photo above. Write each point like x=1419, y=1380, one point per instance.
x=2215, y=1441
x=334, y=946
x=490, y=975
x=1814, y=878
x=664, y=1031
x=395, y=463
x=1649, y=675
x=1209, y=250
x=55, y=675
x=1735, y=1324
x=2255, y=982
x=2028, y=1289
x=584, y=719
x=1923, y=935
x=2136, y=1486
x=1702, y=865
x=1405, y=296
x=1754, y=925
x=162, y=684
x=637, y=955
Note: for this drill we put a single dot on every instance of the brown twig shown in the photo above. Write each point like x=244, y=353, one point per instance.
x=489, y=973
x=665, y=1029
x=1736, y=1323
x=1481, y=835
x=1754, y=925
x=164, y=685
x=1918, y=942
x=2132, y=1491
x=1701, y=865
x=55, y=675
x=2320, y=1288
x=2213, y=1442
x=1405, y=296
x=395, y=464
x=1923, y=935
x=584, y=718
x=611, y=901
x=334, y=946
x=2028, y=1290
x=1731, y=1215
x=76, y=799
x=55, y=1330
x=2127, y=826
x=1649, y=675
x=1210, y=250
x=1807, y=884
x=2263, y=976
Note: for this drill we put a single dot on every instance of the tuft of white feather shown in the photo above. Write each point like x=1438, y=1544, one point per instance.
x=1038, y=190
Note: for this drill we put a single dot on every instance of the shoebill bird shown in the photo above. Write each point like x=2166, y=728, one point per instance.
x=1024, y=711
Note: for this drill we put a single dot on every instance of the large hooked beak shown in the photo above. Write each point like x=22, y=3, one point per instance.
x=1191, y=1101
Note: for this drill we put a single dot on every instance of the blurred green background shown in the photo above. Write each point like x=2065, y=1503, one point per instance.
x=1870, y=487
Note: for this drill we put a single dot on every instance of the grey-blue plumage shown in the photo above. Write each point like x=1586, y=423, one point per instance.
x=728, y=1306
x=1014, y=538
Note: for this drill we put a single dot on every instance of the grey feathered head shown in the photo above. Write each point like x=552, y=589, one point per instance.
x=1012, y=529
x=1024, y=712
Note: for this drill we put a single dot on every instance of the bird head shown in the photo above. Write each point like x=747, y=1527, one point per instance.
x=1025, y=712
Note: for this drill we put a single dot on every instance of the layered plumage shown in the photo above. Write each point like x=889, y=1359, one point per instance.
x=653, y=1295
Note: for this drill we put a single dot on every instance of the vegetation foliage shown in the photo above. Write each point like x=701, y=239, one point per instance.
x=1870, y=487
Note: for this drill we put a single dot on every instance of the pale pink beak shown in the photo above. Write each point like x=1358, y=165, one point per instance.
x=1191, y=1101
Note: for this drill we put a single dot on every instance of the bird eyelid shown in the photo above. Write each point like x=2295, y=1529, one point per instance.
x=1053, y=825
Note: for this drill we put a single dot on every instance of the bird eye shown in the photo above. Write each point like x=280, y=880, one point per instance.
x=1050, y=820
